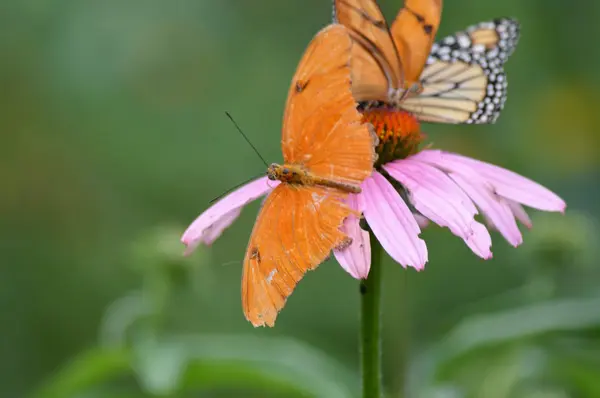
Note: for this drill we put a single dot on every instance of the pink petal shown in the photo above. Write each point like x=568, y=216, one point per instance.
x=210, y=224
x=422, y=221
x=520, y=213
x=504, y=182
x=438, y=198
x=392, y=222
x=214, y=231
x=356, y=258
x=493, y=206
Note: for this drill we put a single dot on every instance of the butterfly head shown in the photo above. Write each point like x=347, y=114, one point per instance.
x=285, y=173
x=273, y=171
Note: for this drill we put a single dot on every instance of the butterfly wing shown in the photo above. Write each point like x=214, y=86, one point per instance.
x=295, y=231
x=298, y=225
x=413, y=32
x=464, y=80
x=376, y=66
x=322, y=129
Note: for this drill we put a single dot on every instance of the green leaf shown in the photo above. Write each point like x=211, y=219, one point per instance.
x=186, y=363
x=551, y=316
x=500, y=351
x=94, y=367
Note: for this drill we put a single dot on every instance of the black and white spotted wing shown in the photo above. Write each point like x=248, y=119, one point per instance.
x=463, y=80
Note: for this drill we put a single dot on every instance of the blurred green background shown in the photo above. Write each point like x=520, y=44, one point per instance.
x=114, y=138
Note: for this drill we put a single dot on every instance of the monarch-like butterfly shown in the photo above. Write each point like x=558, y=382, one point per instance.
x=458, y=79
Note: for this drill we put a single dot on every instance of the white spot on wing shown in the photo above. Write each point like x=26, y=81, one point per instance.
x=269, y=277
x=317, y=200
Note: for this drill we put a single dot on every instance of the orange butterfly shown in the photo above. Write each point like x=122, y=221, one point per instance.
x=327, y=153
x=459, y=79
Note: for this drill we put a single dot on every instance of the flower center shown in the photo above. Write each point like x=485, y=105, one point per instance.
x=399, y=133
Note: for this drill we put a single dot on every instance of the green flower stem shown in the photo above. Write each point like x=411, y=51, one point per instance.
x=370, y=332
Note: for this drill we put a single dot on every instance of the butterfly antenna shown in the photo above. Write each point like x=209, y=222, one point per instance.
x=246, y=138
x=234, y=187
x=334, y=17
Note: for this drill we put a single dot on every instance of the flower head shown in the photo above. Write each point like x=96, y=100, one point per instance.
x=446, y=188
x=407, y=190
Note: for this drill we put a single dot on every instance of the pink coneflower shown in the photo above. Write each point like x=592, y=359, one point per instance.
x=448, y=189
x=408, y=186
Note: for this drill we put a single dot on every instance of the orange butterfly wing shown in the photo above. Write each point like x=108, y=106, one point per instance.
x=414, y=32
x=298, y=225
x=295, y=231
x=376, y=66
x=322, y=129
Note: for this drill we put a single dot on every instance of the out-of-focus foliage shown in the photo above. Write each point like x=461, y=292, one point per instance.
x=114, y=138
x=137, y=357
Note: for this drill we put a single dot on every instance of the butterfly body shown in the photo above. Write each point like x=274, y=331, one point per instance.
x=395, y=96
x=295, y=174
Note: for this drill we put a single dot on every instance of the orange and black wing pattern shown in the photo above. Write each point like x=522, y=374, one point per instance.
x=414, y=31
x=298, y=225
x=376, y=67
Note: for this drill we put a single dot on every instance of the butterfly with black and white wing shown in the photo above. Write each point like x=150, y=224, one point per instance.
x=463, y=80
x=459, y=79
